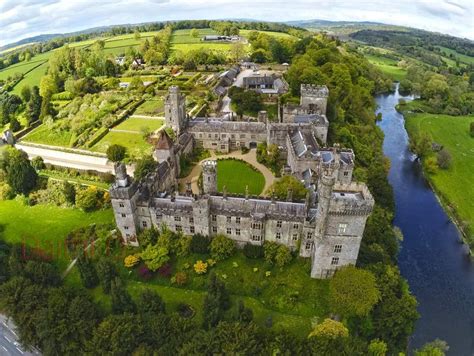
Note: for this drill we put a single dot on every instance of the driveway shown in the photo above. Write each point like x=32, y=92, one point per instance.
x=9, y=345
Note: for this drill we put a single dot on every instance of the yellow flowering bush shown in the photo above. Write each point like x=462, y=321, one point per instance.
x=131, y=260
x=200, y=267
x=211, y=262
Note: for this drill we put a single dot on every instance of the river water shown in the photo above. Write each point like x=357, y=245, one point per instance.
x=432, y=258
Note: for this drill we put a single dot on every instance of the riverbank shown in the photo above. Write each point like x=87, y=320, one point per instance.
x=453, y=186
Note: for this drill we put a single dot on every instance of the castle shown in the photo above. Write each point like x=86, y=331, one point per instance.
x=327, y=227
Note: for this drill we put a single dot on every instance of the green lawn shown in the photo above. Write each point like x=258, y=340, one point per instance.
x=21, y=67
x=184, y=36
x=462, y=57
x=135, y=143
x=245, y=33
x=135, y=124
x=46, y=136
x=186, y=47
x=455, y=184
x=151, y=107
x=32, y=78
x=387, y=66
x=236, y=175
x=45, y=226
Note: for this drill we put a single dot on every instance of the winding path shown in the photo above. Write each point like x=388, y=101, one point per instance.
x=249, y=157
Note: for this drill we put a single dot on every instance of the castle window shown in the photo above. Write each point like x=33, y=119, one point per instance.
x=309, y=236
x=125, y=227
x=121, y=205
x=237, y=232
x=237, y=220
x=254, y=137
x=222, y=147
x=279, y=223
x=191, y=220
x=214, y=229
x=200, y=135
x=346, y=174
x=127, y=235
x=191, y=229
x=256, y=226
x=123, y=215
x=278, y=235
x=214, y=218
x=209, y=136
x=229, y=231
x=295, y=237
x=177, y=218
x=256, y=237
x=233, y=136
x=229, y=219
x=159, y=216
x=224, y=135
x=242, y=135
x=337, y=248
x=144, y=224
x=308, y=245
x=335, y=261
x=178, y=228
x=342, y=228
x=216, y=135
x=295, y=226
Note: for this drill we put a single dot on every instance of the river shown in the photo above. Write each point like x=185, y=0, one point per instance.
x=432, y=258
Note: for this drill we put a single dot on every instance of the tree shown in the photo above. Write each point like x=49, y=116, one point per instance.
x=222, y=247
x=434, y=348
x=25, y=93
x=282, y=256
x=42, y=273
x=288, y=183
x=87, y=199
x=259, y=56
x=200, y=244
x=216, y=301
x=106, y=272
x=244, y=315
x=194, y=33
x=353, y=292
x=377, y=348
x=87, y=271
x=121, y=301
x=330, y=328
x=20, y=175
x=155, y=256
x=150, y=303
x=33, y=108
x=14, y=124
x=253, y=251
x=444, y=159
x=116, y=153
x=144, y=166
x=37, y=163
x=420, y=144
x=136, y=35
x=471, y=129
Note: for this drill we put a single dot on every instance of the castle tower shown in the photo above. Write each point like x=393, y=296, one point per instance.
x=175, y=109
x=209, y=176
x=123, y=195
x=314, y=98
x=165, y=151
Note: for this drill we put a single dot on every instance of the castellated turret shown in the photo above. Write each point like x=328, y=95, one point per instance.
x=209, y=176
x=314, y=98
x=175, y=110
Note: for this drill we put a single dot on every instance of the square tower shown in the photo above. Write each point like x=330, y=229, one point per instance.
x=314, y=98
x=175, y=109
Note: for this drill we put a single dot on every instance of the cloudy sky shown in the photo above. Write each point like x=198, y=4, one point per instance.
x=25, y=18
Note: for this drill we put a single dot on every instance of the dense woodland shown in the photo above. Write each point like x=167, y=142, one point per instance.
x=63, y=320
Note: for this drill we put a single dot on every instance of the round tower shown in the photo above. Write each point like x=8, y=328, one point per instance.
x=209, y=176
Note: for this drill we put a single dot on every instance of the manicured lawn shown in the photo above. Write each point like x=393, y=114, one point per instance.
x=388, y=66
x=236, y=175
x=134, y=142
x=45, y=226
x=151, y=107
x=46, y=136
x=456, y=183
x=135, y=124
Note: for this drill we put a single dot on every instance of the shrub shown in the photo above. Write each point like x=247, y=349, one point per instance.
x=270, y=250
x=471, y=129
x=116, y=153
x=87, y=199
x=183, y=245
x=148, y=237
x=200, y=244
x=155, y=256
x=180, y=278
x=131, y=261
x=6, y=192
x=253, y=251
x=444, y=159
x=200, y=267
x=38, y=163
x=283, y=256
x=145, y=273
x=222, y=247
x=430, y=165
x=165, y=270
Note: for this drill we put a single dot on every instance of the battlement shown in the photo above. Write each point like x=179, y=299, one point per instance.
x=351, y=199
x=174, y=89
x=319, y=91
x=209, y=165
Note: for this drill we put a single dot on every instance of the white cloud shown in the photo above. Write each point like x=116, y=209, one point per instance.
x=25, y=18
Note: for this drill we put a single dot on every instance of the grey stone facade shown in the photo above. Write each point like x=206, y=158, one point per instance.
x=175, y=110
x=327, y=227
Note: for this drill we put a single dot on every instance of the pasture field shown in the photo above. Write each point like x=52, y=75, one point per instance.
x=32, y=78
x=462, y=57
x=134, y=142
x=45, y=226
x=236, y=175
x=21, y=67
x=245, y=33
x=454, y=185
x=44, y=135
x=388, y=66
x=136, y=124
x=184, y=36
x=151, y=107
x=186, y=47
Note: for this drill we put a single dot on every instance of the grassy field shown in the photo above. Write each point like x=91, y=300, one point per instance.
x=388, y=66
x=46, y=136
x=134, y=142
x=151, y=107
x=462, y=57
x=236, y=175
x=134, y=124
x=455, y=184
x=45, y=226
x=245, y=33
x=186, y=47
x=184, y=36
x=32, y=78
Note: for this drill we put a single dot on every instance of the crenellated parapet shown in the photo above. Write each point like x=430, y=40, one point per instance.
x=351, y=199
x=320, y=91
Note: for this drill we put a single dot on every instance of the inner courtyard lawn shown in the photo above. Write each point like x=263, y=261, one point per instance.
x=235, y=175
x=45, y=226
x=455, y=184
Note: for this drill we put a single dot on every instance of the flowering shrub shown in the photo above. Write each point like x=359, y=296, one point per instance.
x=165, y=270
x=211, y=262
x=255, y=269
x=180, y=278
x=235, y=265
x=200, y=267
x=145, y=273
x=131, y=260
x=268, y=274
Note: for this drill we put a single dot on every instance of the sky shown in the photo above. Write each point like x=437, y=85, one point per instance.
x=25, y=18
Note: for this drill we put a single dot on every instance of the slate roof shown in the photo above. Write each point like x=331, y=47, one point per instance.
x=203, y=125
x=303, y=142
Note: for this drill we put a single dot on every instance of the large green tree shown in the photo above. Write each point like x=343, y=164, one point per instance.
x=20, y=175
